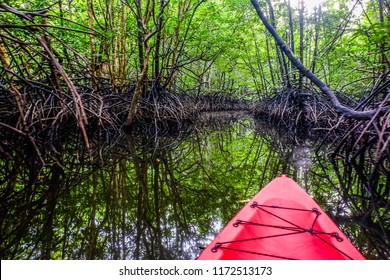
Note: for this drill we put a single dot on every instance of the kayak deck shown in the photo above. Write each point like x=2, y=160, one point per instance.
x=281, y=222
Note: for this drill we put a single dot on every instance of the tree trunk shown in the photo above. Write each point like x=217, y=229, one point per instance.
x=269, y=61
x=317, y=16
x=385, y=63
x=283, y=73
x=156, y=66
x=139, y=88
x=291, y=26
x=301, y=47
x=92, y=38
x=3, y=57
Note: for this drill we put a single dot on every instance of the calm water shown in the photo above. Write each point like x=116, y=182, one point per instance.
x=161, y=197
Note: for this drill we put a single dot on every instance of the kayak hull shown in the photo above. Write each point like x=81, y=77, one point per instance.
x=281, y=222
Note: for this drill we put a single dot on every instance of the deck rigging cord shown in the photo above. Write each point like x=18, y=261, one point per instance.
x=291, y=229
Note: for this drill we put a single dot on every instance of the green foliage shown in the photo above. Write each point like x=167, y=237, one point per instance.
x=215, y=45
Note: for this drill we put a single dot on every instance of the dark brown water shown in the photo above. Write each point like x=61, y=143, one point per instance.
x=161, y=197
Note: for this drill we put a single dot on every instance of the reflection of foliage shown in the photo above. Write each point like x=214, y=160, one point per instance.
x=149, y=197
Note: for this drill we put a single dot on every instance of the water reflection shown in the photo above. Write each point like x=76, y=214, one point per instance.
x=149, y=197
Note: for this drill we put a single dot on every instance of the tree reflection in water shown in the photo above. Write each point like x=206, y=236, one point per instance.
x=161, y=197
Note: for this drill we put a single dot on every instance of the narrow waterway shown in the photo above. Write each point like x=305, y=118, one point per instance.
x=163, y=197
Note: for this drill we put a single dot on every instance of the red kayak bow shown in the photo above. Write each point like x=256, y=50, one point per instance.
x=281, y=222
